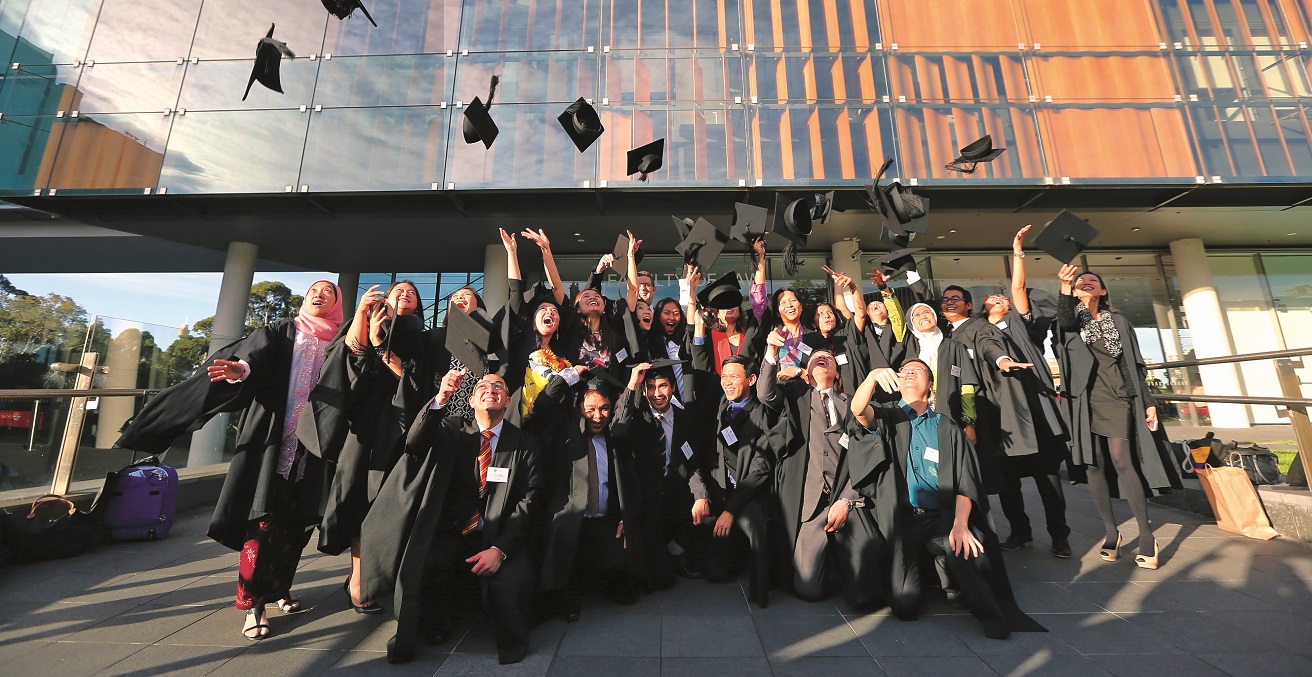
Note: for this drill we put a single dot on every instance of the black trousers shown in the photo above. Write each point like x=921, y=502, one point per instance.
x=748, y=542
x=928, y=531
x=601, y=562
x=1014, y=469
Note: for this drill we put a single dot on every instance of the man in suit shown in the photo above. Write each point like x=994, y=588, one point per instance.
x=672, y=465
x=816, y=503
x=455, y=512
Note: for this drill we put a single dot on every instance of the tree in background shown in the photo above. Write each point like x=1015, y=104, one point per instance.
x=270, y=301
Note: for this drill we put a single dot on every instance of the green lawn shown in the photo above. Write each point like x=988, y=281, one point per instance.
x=1285, y=450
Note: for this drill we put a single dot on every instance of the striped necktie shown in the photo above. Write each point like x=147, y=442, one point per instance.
x=484, y=460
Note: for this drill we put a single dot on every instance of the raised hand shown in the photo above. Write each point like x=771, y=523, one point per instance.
x=878, y=277
x=378, y=318
x=775, y=339
x=450, y=384
x=368, y=300
x=538, y=237
x=639, y=373
x=605, y=262
x=1067, y=276
x=224, y=370
x=634, y=244
x=508, y=241
x=1017, y=243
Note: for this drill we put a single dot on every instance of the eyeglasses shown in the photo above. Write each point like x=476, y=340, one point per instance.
x=495, y=386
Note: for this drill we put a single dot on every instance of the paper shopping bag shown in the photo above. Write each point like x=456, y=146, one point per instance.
x=1235, y=502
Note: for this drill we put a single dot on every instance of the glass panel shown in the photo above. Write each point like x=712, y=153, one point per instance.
x=502, y=25
x=1161, y=147
x=670, y=24
x=384, y=81
x=61, y=29
x=1072, y=24
x=375, y=149
x=26, y=142
x=657, y=77
x=703, y=146
x=1252, y=324
x=992, y=25
x=958, y=77
x=38, y=90
x=30, y=434
x=1224, y=137
x=218, y=85
x=11, y=20
x=528, y=78
x=129, y=88
x=144, y=30
x=931, y=136
x=230, y=29
x=1102, y=78
x=820, y=144
x=241, y=152
x=532, y=150
x=1283, y=75
x=109, y=151
x=404, y=27
x=981, y=274
x=1289, y=278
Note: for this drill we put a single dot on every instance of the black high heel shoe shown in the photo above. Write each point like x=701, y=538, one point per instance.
x=367, y=609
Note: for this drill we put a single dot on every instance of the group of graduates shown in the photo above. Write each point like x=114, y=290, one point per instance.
x=517, y=461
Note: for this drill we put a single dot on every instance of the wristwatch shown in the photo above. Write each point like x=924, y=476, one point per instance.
x=1019, y=255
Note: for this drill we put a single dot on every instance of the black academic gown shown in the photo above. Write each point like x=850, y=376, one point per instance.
x=994, y=393
x=399, y=530
x=848, y=346
x=1078, y=368
x=877, y=461
x=262, y=398
x=1038, y=414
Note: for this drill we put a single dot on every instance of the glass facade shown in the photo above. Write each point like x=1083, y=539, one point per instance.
x=108, y=96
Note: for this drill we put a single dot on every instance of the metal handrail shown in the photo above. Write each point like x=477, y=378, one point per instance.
x=1246, y=357
x=1273, y=401
x=37, y=393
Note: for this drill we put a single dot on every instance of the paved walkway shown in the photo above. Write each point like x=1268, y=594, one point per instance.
x=1221, y=604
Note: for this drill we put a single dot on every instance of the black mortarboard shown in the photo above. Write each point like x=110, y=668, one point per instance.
x=602, y=380
x=268, y=63
x=666, y=362
x=1065, y=236
x=344, y=8
x=478, y=124
x=792, y=219
x=824, y=204
x=900, y=261
x=895, y=201
x=749, y=222
x=646, y=159
x=468, y=337
x=703, y=244
x=980, y=150
x=582, y=123
x=621, y=255
x=899, y=239
x=723, y=294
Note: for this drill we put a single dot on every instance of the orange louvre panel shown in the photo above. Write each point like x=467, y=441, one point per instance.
x=985, y=24
x=938, y=143
x=911, y=132
x=832, y=29
x=1025, y=145
x=929, y=77
x=803, y=25
x=860, y=27
x=1149, y=143
x=786, y=145
x=843, y=140
x=874, y=143
x=1290, y=9
x=839, y=80
x=988, y=84
x=956, y=70
x=749, y=21
x=817, y=148
x=777, y=25
x=723, y=37
x=808, y=79
x=1014, y=78
x=751, y=78
x=699, y=147
x=1081, y=23
x=756, y=147
x=1111, y=78
x=901, y=81
x=641, y=81
x=781, y=80
x=614, y=144
x=866, y=72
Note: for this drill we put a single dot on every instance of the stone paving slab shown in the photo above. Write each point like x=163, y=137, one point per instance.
x=1220, y=605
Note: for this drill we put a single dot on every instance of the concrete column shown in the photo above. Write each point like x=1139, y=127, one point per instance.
x=1209, y=331
x=842, y=253
x=349, y=283
x=496, y=280
x=229, y=325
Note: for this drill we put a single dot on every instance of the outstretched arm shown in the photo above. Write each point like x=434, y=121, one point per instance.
x=539, y=238
x=1019, y=299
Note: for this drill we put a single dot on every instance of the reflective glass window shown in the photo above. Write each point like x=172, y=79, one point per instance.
x=509, y=25
x=234, y=152
x=932, y=78
x=1075, y=25
x=34, y=89
x=532, y=150
x=11, y=20
x=59, y=29
x=528, y=77
x=107, y=151
x=931, y=136
x=129, y=87
x=26, y=143
x=687, y=76
x=375, y=148
x=1102, y=78
x=670, y=24
x=144, y=30
x=819, y=26
x=230, y=29
x=1153, y=142
x=218, y=85
x=703, y=145
x=404, y=27
x=385, y=81
x=992, y=25
x=821, y=143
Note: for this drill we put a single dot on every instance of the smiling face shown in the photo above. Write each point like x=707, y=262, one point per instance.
x=914, y=381
x=877, y=311
x=789, y=307
x=923, y=319
x=465, y=299
x=596, y=410
x=670, y=316
x=646, y=288
x=590, y=303
x=822, y=369
x=954, y=305
x=643, y=311
x=735, y=381
x=404, y=298
x=729, y=317
x=546, y=319
x=322, y=297
x=825, y=320
x=1088, y=285
x=997, y=306
x=658, y=391
x=490, y=396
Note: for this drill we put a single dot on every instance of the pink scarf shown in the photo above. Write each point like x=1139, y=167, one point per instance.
x=322, y=328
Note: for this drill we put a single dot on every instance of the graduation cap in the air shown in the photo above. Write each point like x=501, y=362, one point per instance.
x=644, y=160
x=723, y=294
x=469, y=338
x=478, y=124
x=621, y=255
x=683, y=225
x=268, y=63
x=980, y=150
x=900, y=239
x=703, y=244
x=1065, y=236
x=582, y=123
x=822, y=206
x=894, y=201
x=344, y=8
x=792, y=220
x=900, y=261
x=749, y=222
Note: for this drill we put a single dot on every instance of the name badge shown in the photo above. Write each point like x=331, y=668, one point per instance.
x=931, y=454
x=728, y=436
x=842, y=441
x=956, y=371
x=841, y=358
x=498, y=474
x=1002, y=324
x=804, y=349
x=622, y=355
x=687, y=450
x=971, y=352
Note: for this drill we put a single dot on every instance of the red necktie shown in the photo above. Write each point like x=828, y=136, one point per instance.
x=484, y=460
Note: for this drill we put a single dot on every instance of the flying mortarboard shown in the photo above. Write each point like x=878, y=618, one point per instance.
x=478, y=124
x=268, y=63
x=792, y=220
x=1065, y=236
x=980, y=150
x=900, y=239
x=900, y=261
x=683, y=225
x=621, y=255
x=644, y=160
x=723, y=294
x=344, y=8
x=749, y=222
x=823, y=206
x=469, y=337
x=703, y=245
x=582, y=123
x=894, y=201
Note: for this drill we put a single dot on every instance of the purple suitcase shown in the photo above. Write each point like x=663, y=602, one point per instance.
x=140, y=500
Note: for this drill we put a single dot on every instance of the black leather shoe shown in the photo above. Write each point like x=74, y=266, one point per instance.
x=1061, y=548
x=686, y=569
x=439, y=637
x=955, y=599
x=1015, y=542
x=396, y=655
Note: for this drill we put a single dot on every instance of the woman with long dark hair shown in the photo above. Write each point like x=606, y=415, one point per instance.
x=1110, y=410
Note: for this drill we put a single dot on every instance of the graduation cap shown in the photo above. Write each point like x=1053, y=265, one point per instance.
x=723, y=294
x=646, y=159
x=792, y=219
x=478, y=124
x=900, y=239
x=344, y=8
x=1065, y=236
x=980, y=150
x=749, y=222
x=469, y=337
x=900, y=261
x=665, y=363
x=823, y=205
x=268, y=63
x=703, y=244
x=602, y=380
x=621, y=255
x=895, y=201
x=582, y=123
x=683, y=225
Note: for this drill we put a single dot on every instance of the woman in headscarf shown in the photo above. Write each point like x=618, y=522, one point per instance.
x=272, y=496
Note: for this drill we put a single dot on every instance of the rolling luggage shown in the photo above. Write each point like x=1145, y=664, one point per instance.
x=139, y=501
